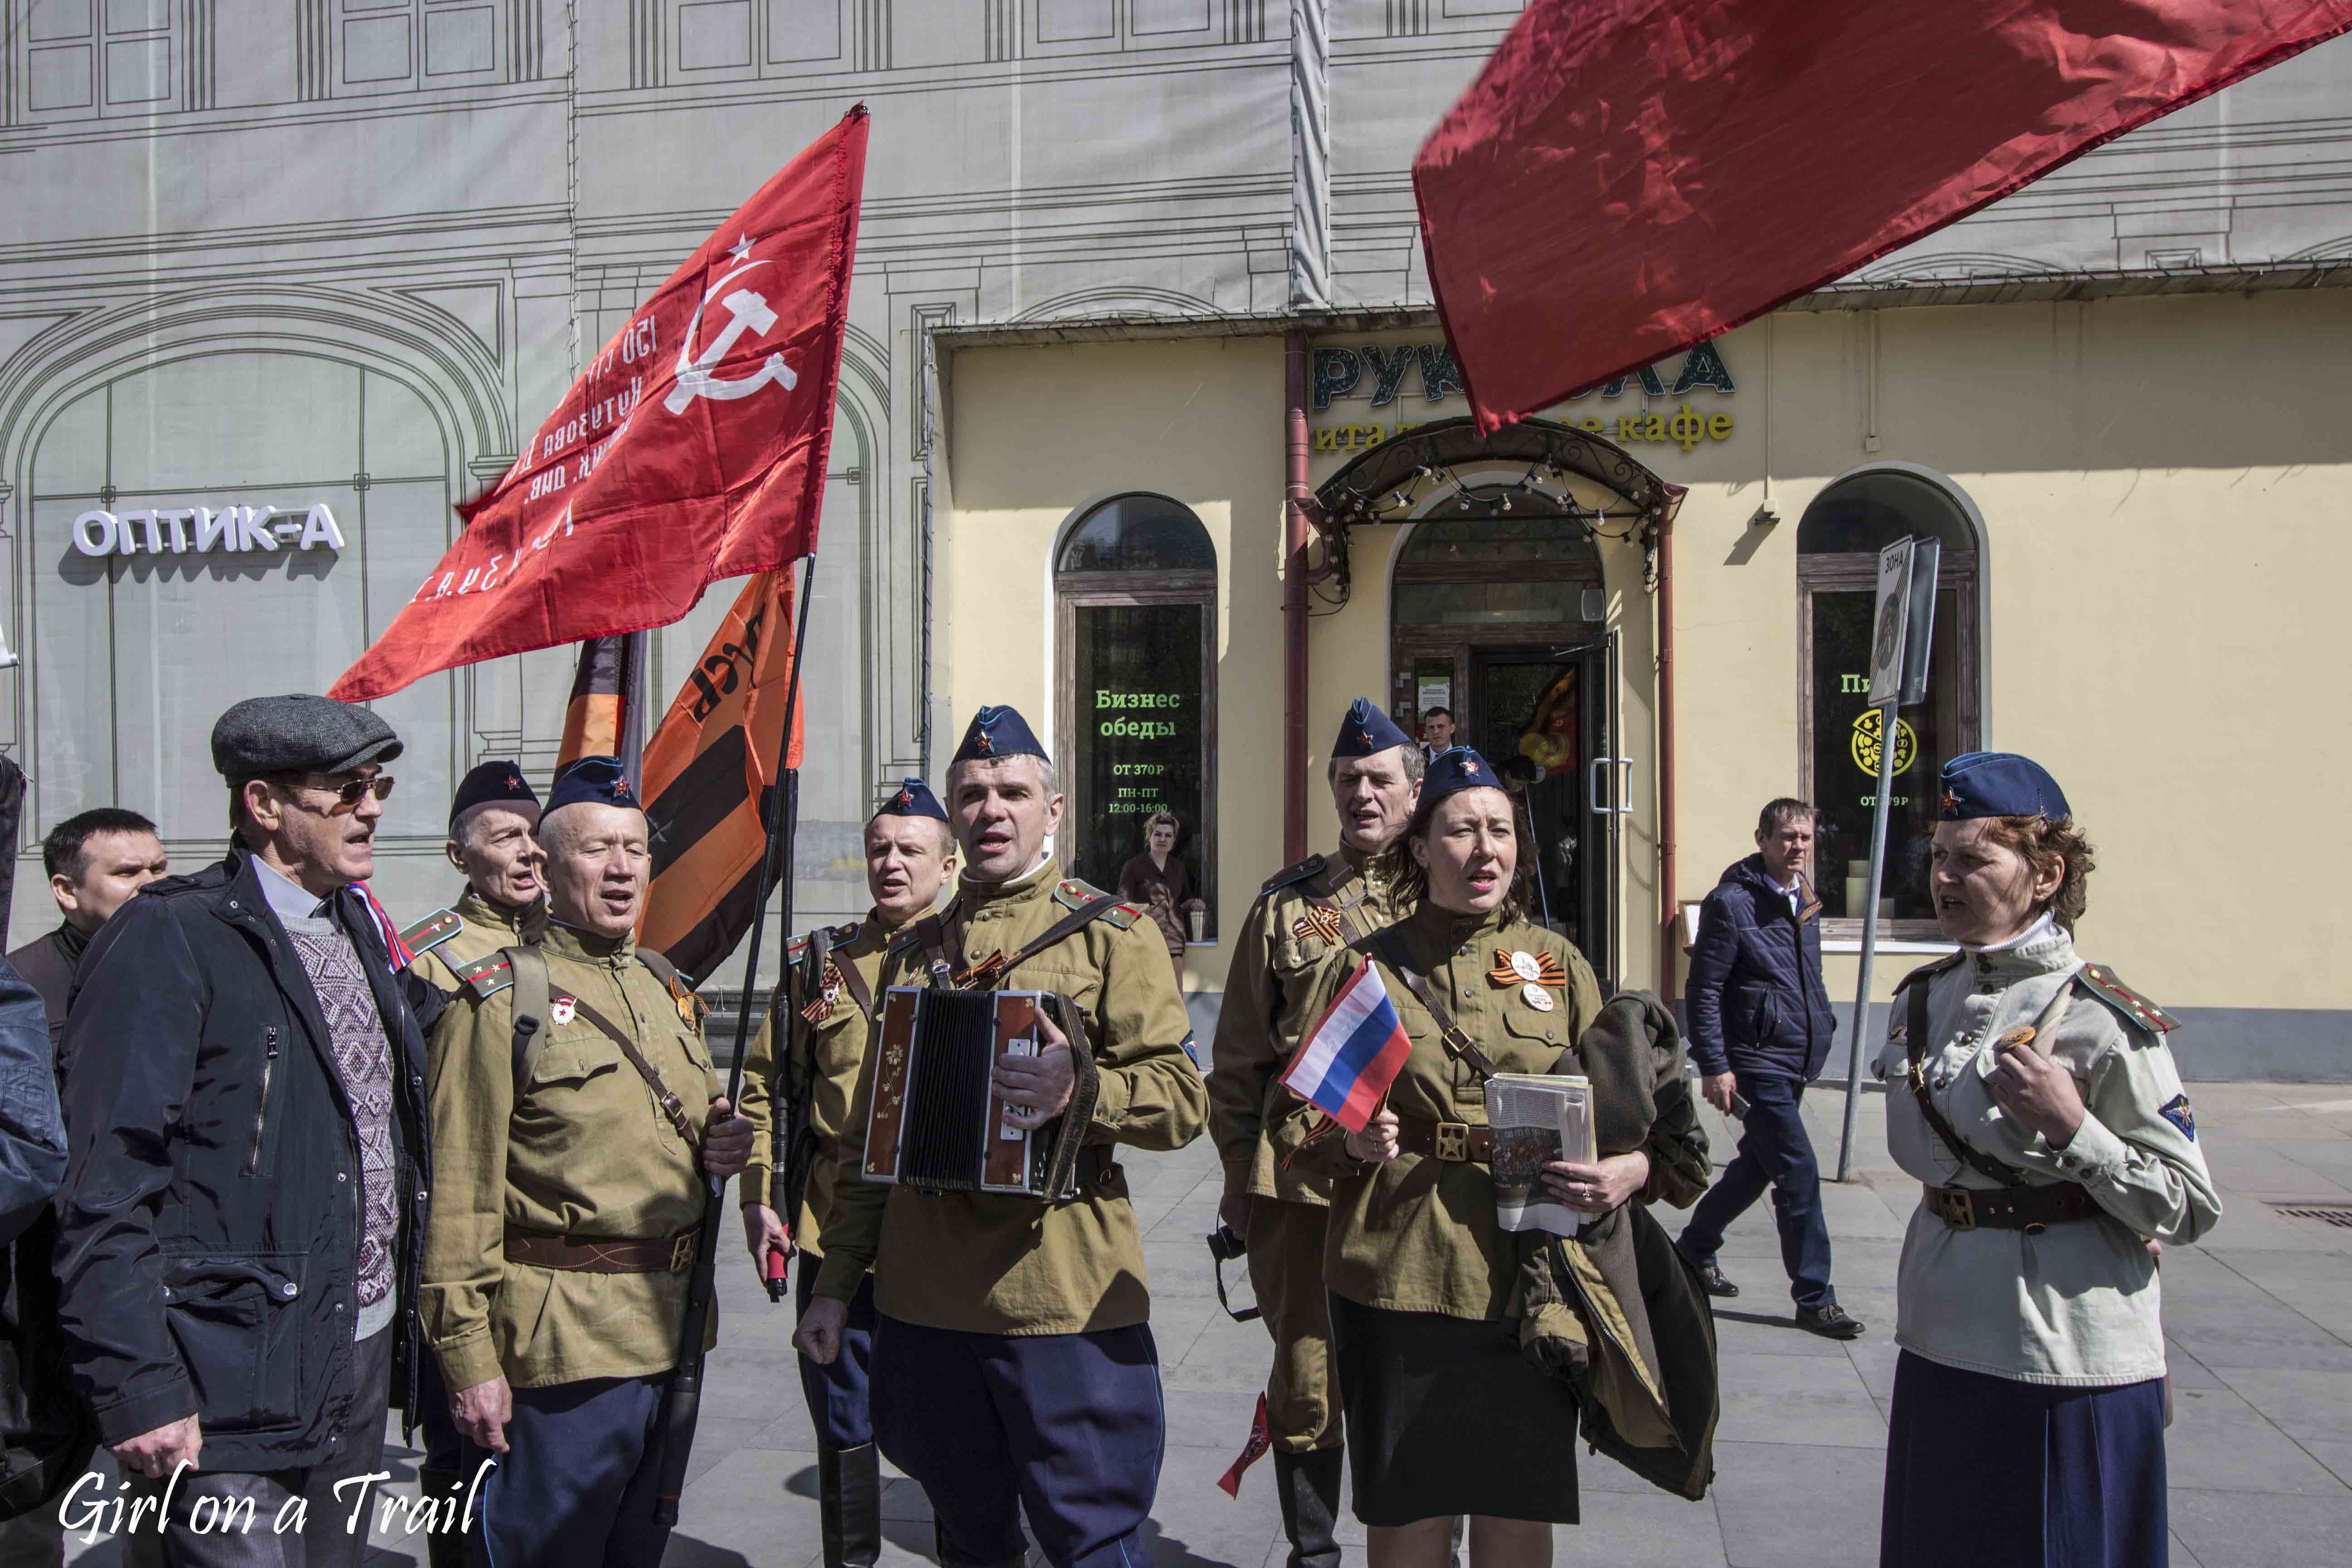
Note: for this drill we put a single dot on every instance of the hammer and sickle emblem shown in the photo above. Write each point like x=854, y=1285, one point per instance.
x=747, y=313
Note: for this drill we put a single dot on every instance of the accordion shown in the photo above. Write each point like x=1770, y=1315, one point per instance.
x=937, y=1121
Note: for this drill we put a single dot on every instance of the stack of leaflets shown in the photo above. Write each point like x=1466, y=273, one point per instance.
x=1535, y=1121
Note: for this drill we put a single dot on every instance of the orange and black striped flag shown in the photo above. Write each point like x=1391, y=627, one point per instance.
x=708, y=781
x=603, y=710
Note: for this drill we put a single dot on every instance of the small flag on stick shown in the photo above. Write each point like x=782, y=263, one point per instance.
x=1261, y=1438
x=1352, y=1054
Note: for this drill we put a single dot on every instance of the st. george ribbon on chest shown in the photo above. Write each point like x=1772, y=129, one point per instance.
x=938, y=1121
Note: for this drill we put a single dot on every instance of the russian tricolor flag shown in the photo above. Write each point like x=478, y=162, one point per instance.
x=1352, y=1054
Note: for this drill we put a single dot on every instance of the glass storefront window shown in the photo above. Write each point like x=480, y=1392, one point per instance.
x=1135, y=591
x=1837, y=545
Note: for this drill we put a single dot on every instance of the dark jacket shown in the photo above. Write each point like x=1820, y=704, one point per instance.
x=209, y=1225
x=48, y=963
x=1755, y=995
x=44, y=1438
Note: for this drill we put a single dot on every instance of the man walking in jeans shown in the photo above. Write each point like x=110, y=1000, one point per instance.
x=1760, y=1024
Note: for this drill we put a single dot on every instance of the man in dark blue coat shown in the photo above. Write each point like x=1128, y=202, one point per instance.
x=1760, y=1025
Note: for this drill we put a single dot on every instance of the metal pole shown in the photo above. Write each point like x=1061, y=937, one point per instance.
x=1886, y=737
x=682, y=1405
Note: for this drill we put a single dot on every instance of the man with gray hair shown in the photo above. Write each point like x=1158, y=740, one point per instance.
x=492, y=820
x=243, y=1213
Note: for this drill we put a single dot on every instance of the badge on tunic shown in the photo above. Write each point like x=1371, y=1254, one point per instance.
x=820, y=1008
x=2176, y=1111
x=1318, y=922
x=1525, y=969
x=562, y=1009
x=1535, y=996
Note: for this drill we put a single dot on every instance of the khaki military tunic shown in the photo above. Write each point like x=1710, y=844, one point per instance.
x=1418, y=1233
x=827, y=1053
x=2079, y=1303
x=1307, y=913
x=448, y=940
x=582, y=1151
x=984, y=1263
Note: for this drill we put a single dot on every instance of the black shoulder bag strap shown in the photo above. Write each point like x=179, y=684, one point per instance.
x=942, y=943
x=671, y=1106
x=985, y=974
x=1458, y=1045
x=859, y=991
x=1915, y=1045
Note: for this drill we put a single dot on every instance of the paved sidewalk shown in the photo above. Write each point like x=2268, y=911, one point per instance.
x=2259, y=1320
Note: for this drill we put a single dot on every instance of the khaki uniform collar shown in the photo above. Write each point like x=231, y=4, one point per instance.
x=524, y=925
x=1430, y=924
x=1036, y=884
x=587, y=947
x=2044, y=952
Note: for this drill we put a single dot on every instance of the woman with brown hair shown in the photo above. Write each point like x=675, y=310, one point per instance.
x=1159, y=881
x=1445, y=1416
x=2033, y=1096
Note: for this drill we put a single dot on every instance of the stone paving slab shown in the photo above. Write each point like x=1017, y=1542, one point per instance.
x=2260, y=1322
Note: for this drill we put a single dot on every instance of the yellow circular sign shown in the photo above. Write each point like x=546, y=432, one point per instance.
x=1867, y=734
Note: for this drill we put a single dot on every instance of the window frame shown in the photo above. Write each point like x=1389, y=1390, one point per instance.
x=1958, y=573
x=1075, y=591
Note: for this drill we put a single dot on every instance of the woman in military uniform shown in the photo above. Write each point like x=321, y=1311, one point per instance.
x=1445, y=1417
x=2033, y=1096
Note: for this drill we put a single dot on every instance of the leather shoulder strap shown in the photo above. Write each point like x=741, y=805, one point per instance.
x=859, y=991
x=1458, y=1044
x=1915, y=1045
x=671, y=1106
x=528, y=965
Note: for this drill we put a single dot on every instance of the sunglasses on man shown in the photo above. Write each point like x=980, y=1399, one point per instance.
x=348, y=794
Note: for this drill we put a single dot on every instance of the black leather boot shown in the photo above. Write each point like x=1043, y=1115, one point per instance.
x=444, y=1548
x=1308, y=1487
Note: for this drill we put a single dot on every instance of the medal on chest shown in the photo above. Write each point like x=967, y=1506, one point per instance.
x=563, y=1009
x=1319, y=921
x=1535, y=996
x=1532, y=970
x=820, y=1007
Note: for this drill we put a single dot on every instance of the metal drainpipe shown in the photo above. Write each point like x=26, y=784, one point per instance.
x=1294, y=602
x=1670, y=932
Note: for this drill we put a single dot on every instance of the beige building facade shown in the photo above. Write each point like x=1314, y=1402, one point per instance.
x=2142, y=507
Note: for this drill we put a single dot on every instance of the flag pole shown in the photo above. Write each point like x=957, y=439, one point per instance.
x=682, y=1405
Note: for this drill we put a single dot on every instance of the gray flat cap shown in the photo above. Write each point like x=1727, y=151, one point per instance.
x=299, y=734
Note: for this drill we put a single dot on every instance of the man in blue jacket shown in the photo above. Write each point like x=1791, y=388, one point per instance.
x=1760, y=1024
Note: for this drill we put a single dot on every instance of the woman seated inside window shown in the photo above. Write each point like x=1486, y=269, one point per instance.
x=1159, y=881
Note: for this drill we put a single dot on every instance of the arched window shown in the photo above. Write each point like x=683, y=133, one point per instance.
x=1135, y=596
x=1838, y=541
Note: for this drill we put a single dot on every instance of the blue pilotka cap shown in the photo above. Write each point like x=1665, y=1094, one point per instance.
x=593, y=779
x=1367, y=731
x=1456, y=769
x=1998, y=784
x=994, y=733
x=914, y=798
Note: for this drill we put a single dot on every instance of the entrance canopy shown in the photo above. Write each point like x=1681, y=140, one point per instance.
x=1390, y=482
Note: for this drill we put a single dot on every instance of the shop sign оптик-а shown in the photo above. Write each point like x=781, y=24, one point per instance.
x=193, y=530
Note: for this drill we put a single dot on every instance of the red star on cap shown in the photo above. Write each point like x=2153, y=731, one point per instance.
x=1951, y=801
x=905, y=798
x=1363, y=737
x=981, y=743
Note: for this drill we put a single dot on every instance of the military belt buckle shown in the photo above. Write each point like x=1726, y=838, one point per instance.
x=681, y=1253
x=1454, y=1141
x=1959, y=1208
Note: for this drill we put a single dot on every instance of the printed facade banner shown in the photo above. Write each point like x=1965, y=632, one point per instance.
x=693, y=449
x=1627, y=178
x=709, y=777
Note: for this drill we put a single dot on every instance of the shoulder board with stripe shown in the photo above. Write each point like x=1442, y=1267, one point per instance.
x=1074, y=894
x=487, y=975
x=843, y=935
x=1929, y=971
x=1121, y=915
x=1298, y=871
x=908, y=937
x=433, y=930
x=2101, y=982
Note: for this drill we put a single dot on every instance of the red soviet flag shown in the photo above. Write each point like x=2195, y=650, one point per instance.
x=1627, y=178
x=693, y=449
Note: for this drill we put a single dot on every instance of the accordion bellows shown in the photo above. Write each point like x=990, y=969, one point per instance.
x=937, y=1121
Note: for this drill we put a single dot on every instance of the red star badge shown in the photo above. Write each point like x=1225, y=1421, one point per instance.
x=981, y=743
x=1951, y=801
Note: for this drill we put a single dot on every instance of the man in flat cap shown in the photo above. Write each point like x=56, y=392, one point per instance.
x=1013, y=1367
x=244, y=1204
x=1304, y=913
x=575, y=1115
x=825, y=1008
x=492, y=822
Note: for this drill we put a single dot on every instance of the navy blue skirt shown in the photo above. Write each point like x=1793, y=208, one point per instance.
x=1983, y=1470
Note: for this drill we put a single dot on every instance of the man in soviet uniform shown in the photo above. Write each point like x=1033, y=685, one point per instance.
x=1013, y=1368
x=1306, y=912
x=492, y=820
x=800, y=1120
x=572, y=1084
